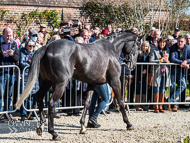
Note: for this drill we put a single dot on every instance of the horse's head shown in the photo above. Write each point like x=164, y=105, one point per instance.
x=130, y=50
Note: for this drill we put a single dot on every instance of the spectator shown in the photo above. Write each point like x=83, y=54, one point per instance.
x=26, y=37
x=172, y=42
x=63, y=24
x=25, y=60
x=55, y=31
x=142, y=71
x=9, y=55
x=169, y=38
x=187, y=36
x=61, y=33
x=54, y=37
x=40, y=41
x=15, y=38
x=135, y=30
x=105, y=33
x=85, y=35
x=100, y=36
x=45, y=33
x=109, y=28
x=33, y=35
x=87, y=26
x=179, y=54
x=176, y=33
x=149, y=37
x=153, y=42
x=126, y=78
x=79, y=40
x=95, y=35
x=161, y=78
x=40, y=34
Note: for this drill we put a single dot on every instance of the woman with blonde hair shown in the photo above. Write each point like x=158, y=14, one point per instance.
x=142, y=71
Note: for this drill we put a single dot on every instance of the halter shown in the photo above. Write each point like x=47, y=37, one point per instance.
x=128, y=57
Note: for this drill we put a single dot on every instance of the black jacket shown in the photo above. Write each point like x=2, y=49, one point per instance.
x=15, y=57
x=143, y=67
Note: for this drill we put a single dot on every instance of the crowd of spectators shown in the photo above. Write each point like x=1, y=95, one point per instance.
x=156, y=49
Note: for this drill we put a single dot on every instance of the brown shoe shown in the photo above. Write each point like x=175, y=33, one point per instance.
x=174, y=109
x=156, y=98
x=168, y=106
x=161, y=99
x=138, y=108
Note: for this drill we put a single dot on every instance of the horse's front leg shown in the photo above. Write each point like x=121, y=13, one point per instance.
x=117, y=92
x=90, y=92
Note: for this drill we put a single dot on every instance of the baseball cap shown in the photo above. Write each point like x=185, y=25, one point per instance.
x=43, y=25
x=177, y=29
x=33, y=32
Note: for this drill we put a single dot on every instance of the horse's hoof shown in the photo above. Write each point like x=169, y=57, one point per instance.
x=39, y=131
x=83, y=132
x=130, y=128
x=57, y=138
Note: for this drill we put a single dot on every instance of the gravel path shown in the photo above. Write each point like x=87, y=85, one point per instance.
x=148, y=127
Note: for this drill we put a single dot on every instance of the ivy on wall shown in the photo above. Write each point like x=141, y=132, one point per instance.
x=24, y=20
x=123, y=15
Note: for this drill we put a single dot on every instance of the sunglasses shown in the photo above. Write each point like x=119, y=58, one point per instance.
x=31, y=46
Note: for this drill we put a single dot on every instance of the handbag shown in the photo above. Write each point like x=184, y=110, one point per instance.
x=150, y=78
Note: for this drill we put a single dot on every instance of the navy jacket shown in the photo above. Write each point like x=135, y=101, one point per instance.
x=175, y=56
x=139, y=70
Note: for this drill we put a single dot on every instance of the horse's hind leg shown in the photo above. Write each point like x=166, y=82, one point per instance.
x=90, y=91
x=117, y=92
x=39, y=97
x=58, y=92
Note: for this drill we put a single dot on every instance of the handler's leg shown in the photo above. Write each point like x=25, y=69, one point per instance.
x=90, y=91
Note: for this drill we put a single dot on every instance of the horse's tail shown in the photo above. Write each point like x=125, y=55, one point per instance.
x=32, y=75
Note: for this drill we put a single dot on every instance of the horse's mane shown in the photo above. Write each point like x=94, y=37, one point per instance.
x=119, y=33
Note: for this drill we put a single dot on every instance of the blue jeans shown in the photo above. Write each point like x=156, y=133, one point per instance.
x=6, y=79
x=101, y=91
x=181, y=85
x=160, y=89
x=109, y=92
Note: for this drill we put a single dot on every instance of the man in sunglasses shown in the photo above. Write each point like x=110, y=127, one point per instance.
x=9, y=55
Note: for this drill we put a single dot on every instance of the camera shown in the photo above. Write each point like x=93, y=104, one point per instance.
x=75, y=23
x=66, y=31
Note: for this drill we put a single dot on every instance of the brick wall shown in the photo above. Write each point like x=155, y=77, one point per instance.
x=71, y=9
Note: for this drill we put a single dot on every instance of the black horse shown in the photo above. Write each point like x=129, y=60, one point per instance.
x=96, y=63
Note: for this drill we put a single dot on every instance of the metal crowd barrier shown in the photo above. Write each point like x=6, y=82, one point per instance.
x=16, y=85
x=152, y=65
x=9, y=72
